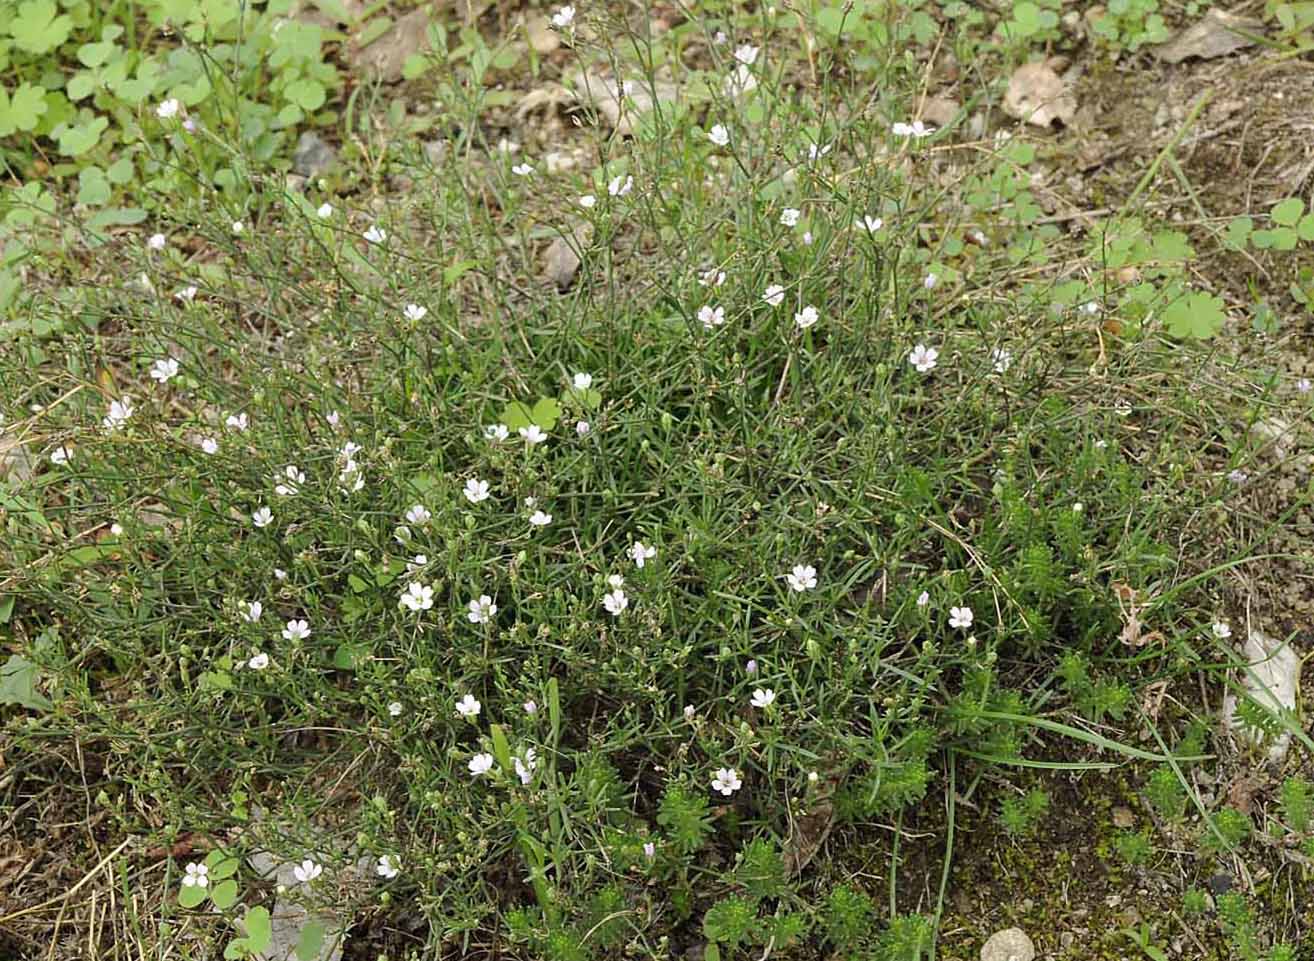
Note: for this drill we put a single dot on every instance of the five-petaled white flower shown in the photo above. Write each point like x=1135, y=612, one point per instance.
x=641, y=553
x=1304, y=385
x=564, y=17
x=164, y=369
x=806, y=317
x=711, y=316
x=263, y=517
x=540, y=518
x=414, y=312
x=157, y=242
x=468, y=706
x=746, y=54
x=923, y=599
x=530, y=708
x=168, y=109
x=869, y=223
x=324, y=212
x=61, y=455
x=238, y=228
x=525, y=768
x=307, y=871
x=208, y=445
x=620, y=186
x=480, y=764
x=251, y=611
x=649, y=850
x=763, y=698
x=582, y=427
x=497, y=432
x=417, y=597
x=481, y=610
x=533, y=434
x=774, y=295
x=719, y=135
x=915, y=129
x=118, y=414
x=476, y=490
x=259, y=661
x=726, y=781
x=923, y=358
x=1222, y=630
x=418, y=562
x=293, y=478
x=582, y=381
x=418, y=514
x=588, y=201
x=802, y=578
x=615, y=602
x=237, y=422
x=376, y=234
x=817, y=151
x=296, y=630
x=789, y=216
x=186, y=294
x=387, y=866
x=960, y=618
x=1001, y=359
x=334, y=418
x=739, y=81
x=711, y=277
x=930, y=280
x=394, y=708
x=522, y=169
x=196, y=875
x=616, y=580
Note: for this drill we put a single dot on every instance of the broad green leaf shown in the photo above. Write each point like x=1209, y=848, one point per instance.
x=1238, y=232
x=224, y=894
x=7, y=608
x=546, y=412
x=117, y=217
x=221, y=865
x=39, y=27
x=516, y=415
x=501, y=747
x=258, y=928
x=309, y=95
x=1286, y=212
x=347, y=656
x=1197, y=315
x=81, y=85
x=76, y=140
x=18, y=680
x=311, y=940
x=458, y=270
x=191, y=895
x=93, y=189
x=21, y=111
x=357, y=584
x=1305, y=229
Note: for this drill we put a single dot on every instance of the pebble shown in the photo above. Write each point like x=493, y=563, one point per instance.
x=1011, y=944
x=313, y=156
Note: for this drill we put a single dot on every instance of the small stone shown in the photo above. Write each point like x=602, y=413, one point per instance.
x=622, y=103
x=385, y=57
x=16, y=462
x=541, y=35
x=1272, y=680
x=1038, y=95
x=1220, y=883
x=1011, y=944
x=435, y=151
x=1273, y=437
x=940, y=111
x=313, y=156
x=1216, y=35
x=1123, y=817
x=562, y=260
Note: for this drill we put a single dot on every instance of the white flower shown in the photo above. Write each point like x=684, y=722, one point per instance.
x=118, y=414
x=712, y=277
x=418, y=562
x=960, y=618
x=334, y=418
x=496, y=432
x=582, y=381
x=417, y=597
x=915, y=129
x=296, y=630
x=711, y=316
x=522, y=170
x=1237, y=476
x=164, y=369
x=540, y=518
x=263, y=517
x=806, y=317
x=525, y=768
x=116, y=529
x=615, y=602
x=530, y=708
x=923, y=599
x=307, y=871
x=930, y=280
x=259, y=661
x=1304, y=386
x=251, y=611
x=1222, y=630
x=468, y=706
x=763, y=698
x=189, y=125
x=789, y=216
x=481, y=610
x=619, y=187
x=1090, y=308
x=168, y=109
x=802, y=578
x=324, y=212
x=649, y=850
x=208, y=444
x=61, y=455
x=816, y=151
x=641, y=553
x=719, y=135
x=480, y=764
x=238, y=227
x=564, y=17
x=923, y=358
x=616, y=580
x=476, y=490
x=414, y=312
x=196, y=875
x=774, y=295
x=294, y=478
x=869, y=223
x=588, y=201
x=746, y=54
x=689, y=712
x=237, y=422
x=350, y=478
x=388, y=866
x=727, y=781
x=533, y=434
x=1001, y=359
x=739, y=81
x=807, y=238
x=156, y=241
x=394, y=708
x=187, y=294
x=280, y=574
x=376, y=234
x=751, y=667
x=582, y=427
x=418, y=514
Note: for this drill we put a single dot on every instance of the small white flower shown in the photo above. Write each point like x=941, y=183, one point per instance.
x=208, y=444
x=588, y=201
x=774, y=295
x=259, y=661
x=496, y=432
x=522, y=170
x=582, y=381
x=916, y=129
x=116, y=529
x=334, y=418
x=482, y=610
x=616, y=580
x=763, y=698
x=189, y=125
x=350, y=478
x=61, y=455
x=118, y=414
x=727, y=781
x=533, y=434
x=719, y=38
x=615, y=602
x=807, y=238
x=1001, y=359
x=564, y=17
x=746, y=54
x=418, y=515
x=307, y=871
x=712, y=277
x=620, y=187
x=468, y=706
x=923, y=599
x=649, y=850
x=387, y=866
x=291, y=484
x=324, y=212
x=816, y=151
x=540, y=518
x=280, y=574
x=476, y=490
x=164, y=369
x=168, y=109
x=480, y=764
x=251, y=611
x=1237, y=476
x=751, y=667
x=869, y=223
x=802, y=578
x=789, y=216
x=525, y=768
x=582, y=427
x=237, y=422
x=641, y=553
x=719, y=135
x=186, y=294
x=417, y=597
x=394, y=708
x=689, y=712
x=930, y=280
x=414, y=312
x=923, y=358
x=739, y=81
x=263, y=517
x=416, y=563
x=960, y=618
x=530, y=708
x=196, y=875
x=806, y=317
x=711, y=316
x=156, y=242
x=238, y=228
x=1304, y=386
x=376, y=234
x=296, y=630
x=1221, y=630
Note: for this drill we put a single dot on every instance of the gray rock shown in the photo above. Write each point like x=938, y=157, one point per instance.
x=16, y=461
x=1272, y=680
x=290, y=916
x=622, y=103
x=563, y=257
x=1011, y=944
x=1216, y=35
x=313, y=156
x=385, y=57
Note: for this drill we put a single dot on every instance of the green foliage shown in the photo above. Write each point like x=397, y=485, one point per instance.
x=1130, y=24
x=1133, y=847
x=1164, y=791
x=1230, y=829
x=18, y=684
x=908, y=938
x=761, y=871
x=686, y=815
x=730, y=921
x=1297, y=800
x=847, y=917
x=1019, y=816
x=1195, y=901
